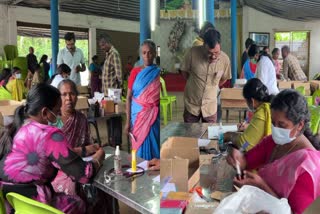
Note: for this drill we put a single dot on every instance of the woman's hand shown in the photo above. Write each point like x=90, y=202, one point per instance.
x=154, y=164
x=250, y=179
x=234, y=156
x=99, y=155
x=242, y=126
x=91, y=149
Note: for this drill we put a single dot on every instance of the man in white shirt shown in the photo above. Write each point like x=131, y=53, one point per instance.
x=267, y=73
x=73, y=57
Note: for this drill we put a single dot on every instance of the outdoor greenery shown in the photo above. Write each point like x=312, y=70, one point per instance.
x=174, y=4
x=43, y=46
x=291, y=36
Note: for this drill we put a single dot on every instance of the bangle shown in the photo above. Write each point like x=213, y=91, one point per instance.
x=96, y=160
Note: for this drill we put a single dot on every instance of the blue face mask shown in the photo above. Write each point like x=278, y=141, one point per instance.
x=58, y=123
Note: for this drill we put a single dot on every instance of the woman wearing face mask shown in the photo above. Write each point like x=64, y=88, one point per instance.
x=16, y=86
x=31, y=153
x=250, y=66
x=288, y=160
x=258, y=101
x=64, y=72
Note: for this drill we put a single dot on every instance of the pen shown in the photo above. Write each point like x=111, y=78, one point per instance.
x=239, y=174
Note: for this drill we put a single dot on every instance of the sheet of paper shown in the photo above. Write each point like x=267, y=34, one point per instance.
x=213, y=130
x=156, y=179
x=203, y=142
x=87, y=159
x=143, y=164
x=169, y=187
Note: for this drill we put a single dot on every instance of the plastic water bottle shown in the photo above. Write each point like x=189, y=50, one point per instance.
x=221, y=144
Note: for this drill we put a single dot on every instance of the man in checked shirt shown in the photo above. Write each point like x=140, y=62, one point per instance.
x=112, y=69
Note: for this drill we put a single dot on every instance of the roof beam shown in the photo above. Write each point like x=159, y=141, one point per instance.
x=14, y=2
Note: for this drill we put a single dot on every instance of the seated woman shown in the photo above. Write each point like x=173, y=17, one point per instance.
x=16, y=86
x=258, y=101
x=4, y=76
x=250, y=66
x=32, y=152
x=142, y=107
x=287, y=161
x=74, y=125
x=63, y=73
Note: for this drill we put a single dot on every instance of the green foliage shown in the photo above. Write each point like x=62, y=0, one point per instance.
x=291, y=36
x=43, y=46
x=174, y=4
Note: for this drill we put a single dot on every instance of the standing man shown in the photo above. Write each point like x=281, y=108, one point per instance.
x=111, y=78
x=112, y=69
x=73, y=57
x=291, y=66
x=205, y=67
x=31, y=60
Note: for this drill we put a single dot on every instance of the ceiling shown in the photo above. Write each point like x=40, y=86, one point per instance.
x=300, y=10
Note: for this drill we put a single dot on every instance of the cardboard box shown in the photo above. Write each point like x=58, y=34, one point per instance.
x=120, y=107
x=108, y=106
x=83, y=89
x=201, y=208
x=306, y=86
x=284, y=84
x=314, y=85
x=7, y=109
x=180, y=160
x=82, y=103
x=232, y=98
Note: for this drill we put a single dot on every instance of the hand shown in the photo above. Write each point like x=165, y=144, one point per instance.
x=154, y=164
x=234, y=155
x=91, y=149
x=78, y=68
x=99, y=155
x=250, y=179
x=242, y=126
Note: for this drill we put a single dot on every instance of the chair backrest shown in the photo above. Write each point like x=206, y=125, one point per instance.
x=11, y=52
x=22, y=63
x=314, y=118
x=315, y=95
x=301, y=89
x=24, y=205
x=163, y=87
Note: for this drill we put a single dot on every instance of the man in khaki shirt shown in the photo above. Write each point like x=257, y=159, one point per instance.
x=205, y=68
x=291, y=66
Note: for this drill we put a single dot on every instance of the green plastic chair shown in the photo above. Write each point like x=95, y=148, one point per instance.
x=301, y=90
x=24, y=205
x=2, y=204
x=165, y=104
x=309, y=100
x=22, y=63
x=315, y=95
x=171, y=98
x=11, y=52
x=166, y=99
x=314, y=118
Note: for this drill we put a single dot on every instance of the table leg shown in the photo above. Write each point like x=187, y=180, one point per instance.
x=227, y=115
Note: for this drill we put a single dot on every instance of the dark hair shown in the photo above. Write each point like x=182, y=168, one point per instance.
x=285, y=48
x=5, y=75
x=64, y=68
x=15, y=69
x=296, y=108
x=95, y=57
x=44, y=58
x=275, y=50
x=71, y=83
x=255, y=89
x=253, y=50
x=212, y=38
x=69, y=36
x=40, y=96
x=205, y=27
x=106, y=38
x=249, y=42
x=265, y=48
x=150, y=44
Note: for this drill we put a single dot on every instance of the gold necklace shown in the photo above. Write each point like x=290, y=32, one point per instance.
x=276, y=151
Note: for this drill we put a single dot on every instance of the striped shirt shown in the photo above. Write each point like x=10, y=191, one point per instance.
x=112, y=71
x=292, y=69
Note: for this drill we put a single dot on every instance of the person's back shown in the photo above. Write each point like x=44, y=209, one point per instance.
x=294, y=69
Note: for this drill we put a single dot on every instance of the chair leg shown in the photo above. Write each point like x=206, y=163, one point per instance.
x=165, y=114
x=170, y=110
x=95, y=125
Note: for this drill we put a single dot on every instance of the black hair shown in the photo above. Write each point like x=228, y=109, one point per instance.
x=5, y=75
x=253, y=50
x=36, y=67
x=63, y=68
x=106, y=38
x=95, y=57
x=211, y=38
x=44, y=58
x=15, y=69
x=296, y=108
x=265, y=48
x=249, y=42
x=205, y=27
x=69, y=36
x=71, y=83
x=255, y=89
x=40, y=96
x=275, y=50
x=285, y=48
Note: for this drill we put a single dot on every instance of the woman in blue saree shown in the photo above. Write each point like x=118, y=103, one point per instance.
x=250, y=66
x=143, y=118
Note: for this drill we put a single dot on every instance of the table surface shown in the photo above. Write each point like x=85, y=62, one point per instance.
x=217, y=176
x=142, y=193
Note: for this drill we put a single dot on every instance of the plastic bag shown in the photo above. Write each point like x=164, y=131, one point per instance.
x=250, y=199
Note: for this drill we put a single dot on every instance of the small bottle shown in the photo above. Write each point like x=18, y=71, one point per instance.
x=221, y=144
x=133, y=161
x=117, y=162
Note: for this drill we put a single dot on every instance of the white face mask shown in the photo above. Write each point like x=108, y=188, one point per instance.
x=18, y=76
x=281, y=136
